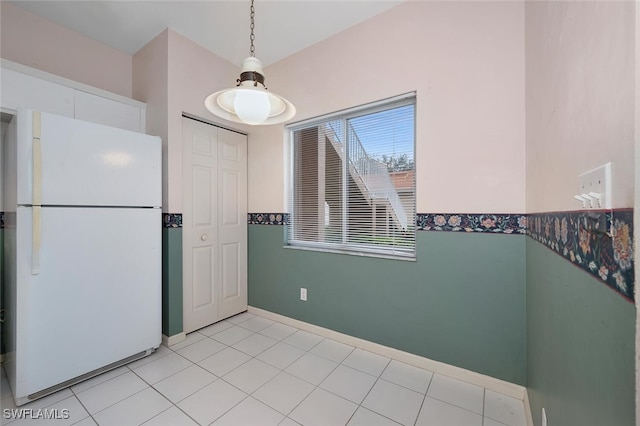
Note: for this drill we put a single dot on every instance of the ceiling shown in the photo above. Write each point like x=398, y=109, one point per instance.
x=281, y=27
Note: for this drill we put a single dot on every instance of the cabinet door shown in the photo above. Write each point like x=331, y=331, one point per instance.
x=23, y=91
x=101, y=110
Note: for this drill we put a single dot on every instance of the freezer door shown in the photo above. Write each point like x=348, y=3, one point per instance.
x=63, y=161
x=97, y=299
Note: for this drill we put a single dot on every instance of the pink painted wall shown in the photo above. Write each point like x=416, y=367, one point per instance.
x=150, y=85
x=464, y=59
x=30, y=40
x=173, y=75
x=466, y=62
x=194, y=72
x=580, y=99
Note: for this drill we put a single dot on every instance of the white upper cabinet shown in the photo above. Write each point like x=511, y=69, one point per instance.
x=24, y=87
x=101, y=110
x=24, y=91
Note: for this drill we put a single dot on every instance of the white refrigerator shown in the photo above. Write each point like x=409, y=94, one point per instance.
x=82, y=250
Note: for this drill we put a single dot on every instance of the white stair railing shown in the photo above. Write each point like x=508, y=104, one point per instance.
x=375, y=176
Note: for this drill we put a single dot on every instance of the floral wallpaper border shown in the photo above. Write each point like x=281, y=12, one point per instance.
x=268, y=218
x=599, y=242
x=494, y=223
x=172, y=220
x=470, y=222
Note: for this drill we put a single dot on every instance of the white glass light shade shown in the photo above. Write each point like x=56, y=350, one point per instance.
x=251, y=106
x=250, y=103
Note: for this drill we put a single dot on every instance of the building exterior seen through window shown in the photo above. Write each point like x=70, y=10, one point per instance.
x=352, y=186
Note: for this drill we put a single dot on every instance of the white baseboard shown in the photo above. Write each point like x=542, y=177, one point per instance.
x=173, y=340
x=487, y=382
x=527, y=409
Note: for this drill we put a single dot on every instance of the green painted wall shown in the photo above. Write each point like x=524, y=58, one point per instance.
x=580, y=345
x=171, y=281
x=462, y=302
x=2, y=288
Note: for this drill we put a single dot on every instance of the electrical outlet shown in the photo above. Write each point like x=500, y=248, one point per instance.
x=303, y=294
x=594, y=187
x=544, y=418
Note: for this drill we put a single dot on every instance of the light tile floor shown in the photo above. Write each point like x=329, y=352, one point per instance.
x=249, y=370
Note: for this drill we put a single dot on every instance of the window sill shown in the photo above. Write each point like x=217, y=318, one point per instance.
x=404, y=257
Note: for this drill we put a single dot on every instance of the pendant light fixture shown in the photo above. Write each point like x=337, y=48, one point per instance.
x=250, y=102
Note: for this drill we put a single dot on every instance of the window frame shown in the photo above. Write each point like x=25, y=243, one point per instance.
x=390, y=252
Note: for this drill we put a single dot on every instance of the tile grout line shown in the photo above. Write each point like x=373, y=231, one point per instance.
x=89, y=414
x=161, y=412
x=452, y=404
x=83, y=406
x=170, y=375
x=459, y=407
x=114, y=404
x=315, y=386
x=230, y=408
x=426, y=391
x=156, y=390
x=378, y=378
x=264, y=384
x=369, y=391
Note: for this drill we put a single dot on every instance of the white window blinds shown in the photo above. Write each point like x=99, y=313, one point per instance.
x=353, y=180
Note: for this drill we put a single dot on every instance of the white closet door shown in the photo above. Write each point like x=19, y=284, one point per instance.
x=232, y=221
x=214, y=224
x=199, y=225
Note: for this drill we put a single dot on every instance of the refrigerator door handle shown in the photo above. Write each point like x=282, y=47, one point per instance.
x=37, y=160
x=36, y=240
x=37, y=195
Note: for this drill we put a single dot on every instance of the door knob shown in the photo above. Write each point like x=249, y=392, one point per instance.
x=203, y=237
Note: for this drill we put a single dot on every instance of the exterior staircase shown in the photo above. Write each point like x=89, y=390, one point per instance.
x=371, y=176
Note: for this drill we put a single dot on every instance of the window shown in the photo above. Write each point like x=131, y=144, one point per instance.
x=352, y=184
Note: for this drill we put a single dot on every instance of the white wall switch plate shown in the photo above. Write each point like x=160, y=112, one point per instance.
x=303, y=294
x=596, y=184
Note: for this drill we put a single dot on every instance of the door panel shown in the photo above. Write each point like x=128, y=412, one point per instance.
x=202, y=145
x=202, y=203
x=230, y=264
x=203, y=261
x=230, y=152
x=230, y=196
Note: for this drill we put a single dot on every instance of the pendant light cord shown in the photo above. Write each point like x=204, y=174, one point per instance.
x=252, y=37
